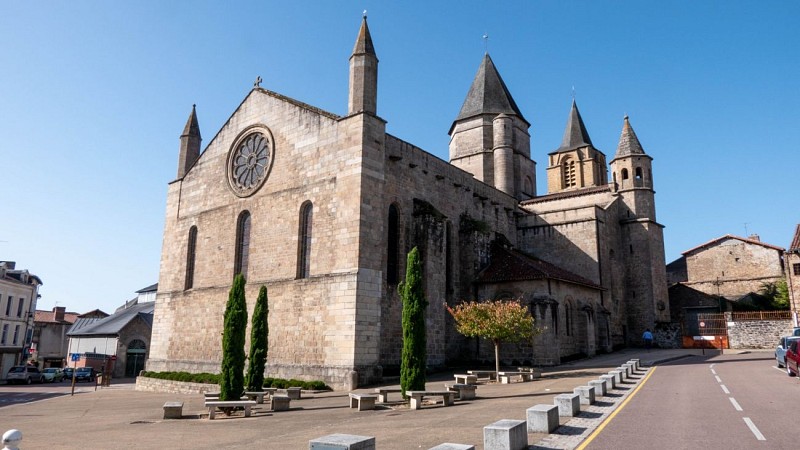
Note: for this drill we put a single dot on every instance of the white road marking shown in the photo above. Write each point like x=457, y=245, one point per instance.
x=779, y=369
x=754, y=429
x=735, y=403
x=712, y=366
x=724, y=389
x=713, y=371
x=718, y=378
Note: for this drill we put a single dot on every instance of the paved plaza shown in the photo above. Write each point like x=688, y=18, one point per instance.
x=120, y=417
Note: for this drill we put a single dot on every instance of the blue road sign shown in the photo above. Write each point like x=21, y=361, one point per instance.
x=75, y=356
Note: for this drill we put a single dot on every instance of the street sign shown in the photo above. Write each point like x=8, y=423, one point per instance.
x=702, y=324
x=74, y=356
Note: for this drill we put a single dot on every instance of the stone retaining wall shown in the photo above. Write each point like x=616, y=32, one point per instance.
x=757, y=333
x=173, y=387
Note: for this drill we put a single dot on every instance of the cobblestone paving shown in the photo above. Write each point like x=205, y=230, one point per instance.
x=576, y=430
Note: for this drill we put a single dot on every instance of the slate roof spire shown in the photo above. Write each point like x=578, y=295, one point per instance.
x=364, y=40
x=192, y=127
x=190, y=144
x=628, y=142
x=363, y=84
x=575, y=135
x=488, y=94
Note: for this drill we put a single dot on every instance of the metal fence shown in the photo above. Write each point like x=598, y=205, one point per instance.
x=761, y=315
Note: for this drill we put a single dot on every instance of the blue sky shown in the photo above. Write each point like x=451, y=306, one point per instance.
x=93, y=97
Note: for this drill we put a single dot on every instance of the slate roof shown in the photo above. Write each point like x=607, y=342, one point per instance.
x=114, y=323
x=567, y=194
x=511, y=265
x=192, y=127
x=628, y=142
x=151, y=288
x=364, y=41
x=488, y=94
x=794, y=247
x=730, y=236
x=575, y=135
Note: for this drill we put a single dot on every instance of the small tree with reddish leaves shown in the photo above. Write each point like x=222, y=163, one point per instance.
x=498, y=321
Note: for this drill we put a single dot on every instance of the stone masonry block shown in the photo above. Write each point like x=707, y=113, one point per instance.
x=342, y=441
x=600, y=387
x=617, y=374
x=611, y=381
x=505, y=435
x=587, y=394
x=451, y=446
x=569, y=405
x=542, y=418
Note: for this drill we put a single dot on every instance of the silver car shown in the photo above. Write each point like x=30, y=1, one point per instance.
x=780, y=350
x=24, y=374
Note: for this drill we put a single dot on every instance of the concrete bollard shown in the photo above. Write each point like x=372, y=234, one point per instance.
x=569, y=405
x=617, y=374
x=624, y=373
x=611, y=382
x=586, y=393
x=505, y=435
x=11, y=439
x=450, y=446
x=343, y=442
x=600, y=387
x=636, y=364
x=542, y=418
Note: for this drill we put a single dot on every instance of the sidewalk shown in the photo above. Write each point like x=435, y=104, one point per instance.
x=119, y=416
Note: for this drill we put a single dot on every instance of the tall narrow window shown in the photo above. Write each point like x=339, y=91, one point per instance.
x=569, y=174
x=638, y=173
x=8, y=305
x=16, y=335
x=568, y=317
x=19, y=306
x=190, y=255
x=624, y=174
x=393, y=246
x=242, y=244
x=5, y=334
x=554, y=317
x=304, y=241
x=448, y=259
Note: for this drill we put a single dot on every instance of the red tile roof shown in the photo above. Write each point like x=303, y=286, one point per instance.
x=49, y=317
x=795, y=246
x=730, y=236
x=511, y=265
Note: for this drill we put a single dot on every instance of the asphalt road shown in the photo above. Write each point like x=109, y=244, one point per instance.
x=720, y=402
x=12, y=394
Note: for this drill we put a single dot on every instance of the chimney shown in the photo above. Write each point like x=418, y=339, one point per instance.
x=754, y=237
x=58, y=313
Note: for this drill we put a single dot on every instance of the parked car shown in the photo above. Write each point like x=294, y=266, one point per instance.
x=84, y=374
x=53, y=374
x=780, y=350
x=793, y=357
x=796, y=331
x=24, y=374
x=68, y=373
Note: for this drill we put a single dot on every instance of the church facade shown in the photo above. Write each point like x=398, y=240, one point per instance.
x=322, y=210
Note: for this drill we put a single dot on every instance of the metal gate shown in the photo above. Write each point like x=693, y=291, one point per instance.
x=702, y=329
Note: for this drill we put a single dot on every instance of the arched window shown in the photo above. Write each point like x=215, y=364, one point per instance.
x=568, y=318
x=554, y=317
x=638, y=173
x=304, y=240
x=624, y=174
x=190, y=255
x=569, y=173
x=393, y=247
x=242, y=244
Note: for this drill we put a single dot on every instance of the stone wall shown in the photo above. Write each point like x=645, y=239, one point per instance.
x=146, y=384
x=757, y=333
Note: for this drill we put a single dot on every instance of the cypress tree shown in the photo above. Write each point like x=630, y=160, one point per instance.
x=259, y=338
x=233, y=337
x=414, y=356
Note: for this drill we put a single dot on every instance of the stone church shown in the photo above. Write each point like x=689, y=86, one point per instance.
x=322, y=209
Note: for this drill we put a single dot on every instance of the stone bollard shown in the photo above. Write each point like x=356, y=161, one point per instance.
x=611, y=382
x=542, y=418
x=600, y=387
x=586, y=393
x=569, y=405
x=617, y=374
x=505, y=435
x=636, y=362
x=451, y=446
x=11, y=439
x=351, y=381
x=624, y=372
x=343, y=442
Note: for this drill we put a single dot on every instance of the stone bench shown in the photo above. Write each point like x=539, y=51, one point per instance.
x=506, y=435
x=362, y=402
x=451, y=446
x=490, y=374
x=212, y=406
x=463, y=391
x=342, y=442
x=173, y=410
x=293, y=393
x=535, y=371
x=383, y=393
x=466, y=378
x=255, y=395
x=586, y=393
x=279, y=402
x=415, y=397
x=569, y=405
x=505, y=377
x=542, y=418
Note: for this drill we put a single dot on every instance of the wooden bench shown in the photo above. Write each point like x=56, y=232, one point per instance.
x=257, y=396
x=464, y=378
x=212, y=406
x=505, y=377
x=383, y=393
x=362, y=402
x=173, y=410
x=490, y=374
x=416, y=397
x=463, y=391
x=280, y=402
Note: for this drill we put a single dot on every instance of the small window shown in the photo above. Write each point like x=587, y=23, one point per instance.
x=5, y=334
x=190, y=256
x=569, y=173
x=796, y=268
x=638, y=173
x=16, y=335
x=393, y=247
x=242, y=244
x=568, y=318
x=554, y=318
x=304, y=240
x=624, y=174
x=19, y=307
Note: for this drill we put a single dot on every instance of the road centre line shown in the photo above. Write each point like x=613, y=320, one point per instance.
x=713, y=371
x=719, y=380
x=735, y=403
x=724, y=389
x=754, y=429
x=597, y=431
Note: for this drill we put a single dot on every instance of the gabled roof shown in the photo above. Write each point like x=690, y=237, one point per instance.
x=151, y=288
x=488, y=94
x=730, y=236
x=575, y=135
x=628, y=142
x=794, y=247
x=114, y=323
x=511, y=265
x=49, y=317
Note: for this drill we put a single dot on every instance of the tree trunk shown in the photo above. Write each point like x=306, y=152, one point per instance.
x=497, y=358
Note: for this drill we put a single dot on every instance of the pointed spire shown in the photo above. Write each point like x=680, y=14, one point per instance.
x=488, y=94
x=364, y=41
x=192, y=127
x=628, y=142
x=575, y=135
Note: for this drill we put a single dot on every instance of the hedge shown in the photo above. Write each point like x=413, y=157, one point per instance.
x=213, y=378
